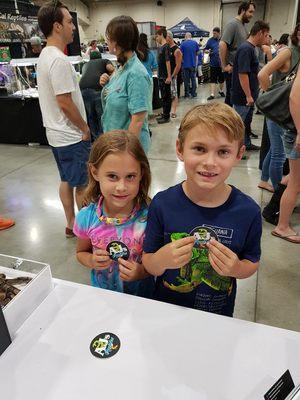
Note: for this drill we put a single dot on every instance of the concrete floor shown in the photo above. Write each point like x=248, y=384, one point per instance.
x=28, y=193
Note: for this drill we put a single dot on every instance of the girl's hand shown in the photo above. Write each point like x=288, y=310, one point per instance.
x=100, y=259
x=224, y=261
x=176, y=254
x=131, y=271
x=104, y=78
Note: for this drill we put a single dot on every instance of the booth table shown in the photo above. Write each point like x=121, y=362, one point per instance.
x=21, y=121
x=167, y=352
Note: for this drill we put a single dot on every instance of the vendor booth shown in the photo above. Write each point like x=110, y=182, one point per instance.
x=186, y=25
x=21, y=120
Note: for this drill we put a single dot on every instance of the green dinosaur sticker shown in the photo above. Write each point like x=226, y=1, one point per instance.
x=198, y=270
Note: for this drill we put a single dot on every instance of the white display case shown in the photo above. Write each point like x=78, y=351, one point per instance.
x=31, y=295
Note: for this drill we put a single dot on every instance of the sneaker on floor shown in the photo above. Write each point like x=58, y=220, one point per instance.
x=222, y=94
x=6, y=223
x=69, y=233
x=252, y=147
x=211, y=97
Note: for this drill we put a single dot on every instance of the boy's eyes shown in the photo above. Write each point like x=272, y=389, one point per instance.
x=201, y=149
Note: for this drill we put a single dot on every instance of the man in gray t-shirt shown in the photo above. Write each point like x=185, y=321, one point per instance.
x=234, y=34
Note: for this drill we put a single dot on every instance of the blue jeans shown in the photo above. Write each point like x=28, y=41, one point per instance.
x=93, y=107
x=273, y=163
x=244, y=112
x=189, y=76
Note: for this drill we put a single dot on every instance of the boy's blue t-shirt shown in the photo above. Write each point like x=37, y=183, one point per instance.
x=236, y=224
x=213, y=45
x=189, y=49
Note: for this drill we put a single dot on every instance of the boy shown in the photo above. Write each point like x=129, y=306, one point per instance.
x=203, y=234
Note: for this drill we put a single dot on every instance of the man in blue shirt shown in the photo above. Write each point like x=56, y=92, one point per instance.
x=216, y=73
x=190, y=50
x=245, y=86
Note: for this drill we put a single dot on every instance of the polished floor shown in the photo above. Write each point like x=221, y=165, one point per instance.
x=28, y=193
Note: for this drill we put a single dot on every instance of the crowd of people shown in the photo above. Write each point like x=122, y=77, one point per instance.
x=188, y=245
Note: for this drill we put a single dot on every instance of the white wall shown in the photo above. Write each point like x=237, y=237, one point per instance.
x=281, y=15
x=204, y=13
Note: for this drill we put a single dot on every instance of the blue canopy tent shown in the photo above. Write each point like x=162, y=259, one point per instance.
x=186, y=25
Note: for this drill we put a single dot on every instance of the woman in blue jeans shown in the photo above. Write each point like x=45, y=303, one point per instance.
x=279, y=68
x=273, y=163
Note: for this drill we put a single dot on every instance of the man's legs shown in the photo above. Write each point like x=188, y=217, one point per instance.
x=165, y=91
x=89, y=100
x=193, y=79
x=186, y=79
x=228, y=78
x=243, y=112
x=79, y=196
x=66, y=194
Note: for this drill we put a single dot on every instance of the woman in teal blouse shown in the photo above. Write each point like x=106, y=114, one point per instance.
x=125, y=94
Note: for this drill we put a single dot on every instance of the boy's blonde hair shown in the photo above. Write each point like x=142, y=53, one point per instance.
x=113, y=142
x=213, y=116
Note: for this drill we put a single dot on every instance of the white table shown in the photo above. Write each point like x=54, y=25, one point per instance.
x=167, y=352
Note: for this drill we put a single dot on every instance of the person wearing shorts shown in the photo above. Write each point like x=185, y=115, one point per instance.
x=63, y=108
x=291, y=140
x=176, y=61
x=216, y=73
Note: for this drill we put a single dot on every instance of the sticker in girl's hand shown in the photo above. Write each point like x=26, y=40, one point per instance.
x=117, y=250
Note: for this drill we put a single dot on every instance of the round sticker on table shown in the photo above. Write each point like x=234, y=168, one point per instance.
x=203, y=234
x=105, y=345
x=117, y=249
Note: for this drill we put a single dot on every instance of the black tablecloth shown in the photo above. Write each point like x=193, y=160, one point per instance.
x=21, y=121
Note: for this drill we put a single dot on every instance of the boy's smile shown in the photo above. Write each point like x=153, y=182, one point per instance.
x=208, y=158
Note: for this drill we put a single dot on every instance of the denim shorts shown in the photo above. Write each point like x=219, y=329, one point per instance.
x=72, y=162
x=289, y=139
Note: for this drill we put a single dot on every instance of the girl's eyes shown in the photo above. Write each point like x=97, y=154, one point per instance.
x=112, y=176
x=115, y=177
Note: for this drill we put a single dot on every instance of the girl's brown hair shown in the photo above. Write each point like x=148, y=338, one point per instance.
x=294, y=38
x=116, y=142
x=124, y=31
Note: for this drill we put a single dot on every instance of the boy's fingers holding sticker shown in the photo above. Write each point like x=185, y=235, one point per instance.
x=185, y=241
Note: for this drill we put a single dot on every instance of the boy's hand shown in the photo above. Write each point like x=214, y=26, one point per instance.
x=131, y=271
x=178, y=253
x=100, y=259
x=224, y=261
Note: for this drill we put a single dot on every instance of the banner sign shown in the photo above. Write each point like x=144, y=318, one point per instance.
x=16, y=28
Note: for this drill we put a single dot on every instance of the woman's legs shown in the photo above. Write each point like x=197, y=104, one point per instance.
x=277, y=152
x=288, y=202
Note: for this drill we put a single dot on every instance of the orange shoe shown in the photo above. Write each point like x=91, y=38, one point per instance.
x=6, y=223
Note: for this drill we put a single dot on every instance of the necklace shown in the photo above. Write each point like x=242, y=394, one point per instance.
x=114, y=220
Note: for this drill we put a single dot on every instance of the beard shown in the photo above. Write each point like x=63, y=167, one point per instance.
x=245, y=19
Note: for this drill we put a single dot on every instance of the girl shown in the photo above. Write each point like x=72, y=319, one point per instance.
x=110, y=229
x=125, y=95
